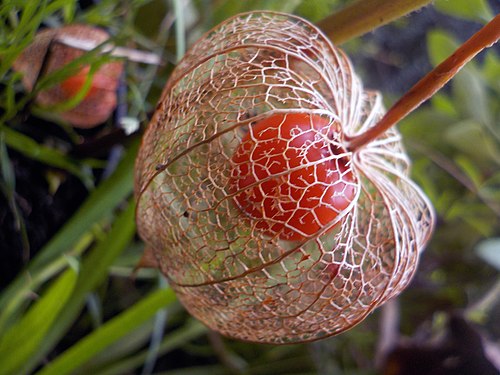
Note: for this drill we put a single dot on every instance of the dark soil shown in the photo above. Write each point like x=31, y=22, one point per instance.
x=42, y=211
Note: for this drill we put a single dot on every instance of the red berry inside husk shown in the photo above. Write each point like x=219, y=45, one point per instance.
x=291, y=175
x=74, y=84
x=47, y=54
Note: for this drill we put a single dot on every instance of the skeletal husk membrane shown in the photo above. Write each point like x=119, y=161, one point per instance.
x=48, y=54
x=238, y=279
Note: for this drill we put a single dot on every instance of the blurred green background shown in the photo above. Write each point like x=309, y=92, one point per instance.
x=70, y=302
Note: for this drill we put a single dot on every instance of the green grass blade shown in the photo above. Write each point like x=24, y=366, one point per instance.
x=100, y=203
x=8, y=102
x=127, y=346
x=109, y=333
x=8, y=188
x=156, y=337
x=199, y=370
x=94, y=270
x=32, y=15
x=25, y=337
x=170, y=342
x=33, y=281
x=32, y=149
x=180, y=30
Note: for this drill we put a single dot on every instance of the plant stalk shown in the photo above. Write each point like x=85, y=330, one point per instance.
x=365, y=15
x=431, y=83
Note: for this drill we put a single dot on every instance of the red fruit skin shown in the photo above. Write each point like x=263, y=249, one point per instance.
x=286, y=176
x=73, y=85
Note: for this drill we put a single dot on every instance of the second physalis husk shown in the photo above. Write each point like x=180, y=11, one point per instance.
x=265, y=224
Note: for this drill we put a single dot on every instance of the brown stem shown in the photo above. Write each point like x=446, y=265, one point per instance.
x=431, y=83
x=363, y=16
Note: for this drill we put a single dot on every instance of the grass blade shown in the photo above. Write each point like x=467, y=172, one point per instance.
x=156, y=337
x=25, y=337
x=94, y=269
x=32, y=149
x=170, y=342
x=99, y=204
x=109, y=333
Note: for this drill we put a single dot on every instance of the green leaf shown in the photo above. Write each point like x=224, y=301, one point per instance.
x=476, y=215
x=69, y=11
x=470, y=137
x=427, y=125
x=440, y=45
x=316, y=10
x=491, y=69
x=107, y=334
x=491, y=188
x=489, y=251
x=24, y=338
x=444, y=201
x=444, y=104
x=471, y=170
x=475, y=10
x=469, y=89
x=421, y=176
x=229, y=8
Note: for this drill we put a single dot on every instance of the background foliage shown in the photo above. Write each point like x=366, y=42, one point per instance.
x=69, y=300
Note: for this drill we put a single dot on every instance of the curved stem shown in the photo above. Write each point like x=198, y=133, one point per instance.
x=363, y=16
x=431, y=83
